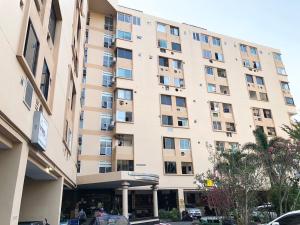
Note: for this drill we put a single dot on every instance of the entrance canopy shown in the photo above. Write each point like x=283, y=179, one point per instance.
x=116, y=179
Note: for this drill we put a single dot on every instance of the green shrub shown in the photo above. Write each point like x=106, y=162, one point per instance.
x=173, y=215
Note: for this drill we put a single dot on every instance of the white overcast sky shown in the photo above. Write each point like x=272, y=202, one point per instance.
x=275, y=23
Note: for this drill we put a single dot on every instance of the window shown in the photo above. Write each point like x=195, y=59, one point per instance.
x=124, y=35
x=277, y=56
x=164, y=80
x=161, y=27
x=285, y=86
x=108, y=41
x=125, y=165
x=169, y=143
x=179, y=82
x=106, y=121
x=124, y=73
x=174, y=30
x=85, y=55
x=82, y=97
x=124, y=94
x=252, y=95
x=256, y=65
x=177, y=64
x=289, y=101
x=249, y=78
x=253, y=51
x=136, y=20
x=260, y=81
x=227, y=108
x=28, y=94
x=204, y=38
x=246, y=63
x=234, y=146
x=209, y=70
x=106, y=100
x=52, y=22
x=214, y=106
x=243, y=48
x=176, y=47
x=86, y=36
x=267, y=113
x=170, y=167
x=165, y=100
x=211, y=88
x=230, y=127
x=167, y=120
x=271, y=131
x=221, y=73
x=180, y=102
x=45, y=81
x=186, y=168
x=107, y=79
x=281, y=70
x=124, y=53
x=107, y=59
x=108, y=23
x=105, y=167
x=256, y=112
x=184, y=144
x=124, y=17
x=163, y=61
x=124, y=116
x=196, y=36
x=182, y=122
x=105, y=146
x=78, y=166
x=206, y=54
x=263, y=96
x=224, y=90
x=81, y=119
x=217, y=125
x=162, y=43
x=220, y=146
x=31, y=49
x=219, y=57
x=216, y=41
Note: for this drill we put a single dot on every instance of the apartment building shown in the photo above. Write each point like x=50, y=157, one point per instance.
x=158, y=97
x=41, y=44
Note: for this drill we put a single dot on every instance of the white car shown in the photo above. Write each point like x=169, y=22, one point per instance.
x=291, y=218
x=193, y=211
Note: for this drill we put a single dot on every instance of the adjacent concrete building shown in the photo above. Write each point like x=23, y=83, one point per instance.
x=41, y=44
x=159, y=96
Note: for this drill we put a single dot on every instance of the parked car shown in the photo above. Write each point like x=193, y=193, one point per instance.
x=291, y=218
x=194, y=212
x=31, y=223
x=265, y=212
x=111, y=220
x=216, y=220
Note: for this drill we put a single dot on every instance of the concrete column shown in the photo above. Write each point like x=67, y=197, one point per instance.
x=125, y=186
x=12, y=172
x=181, y=204
x=42, y=199
x=155, y=201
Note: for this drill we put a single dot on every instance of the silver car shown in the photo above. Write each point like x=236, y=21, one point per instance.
x=291, y=218
x=194, y=212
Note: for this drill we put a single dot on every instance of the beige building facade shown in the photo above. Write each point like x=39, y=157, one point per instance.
x=159, y=96
x=41, y=44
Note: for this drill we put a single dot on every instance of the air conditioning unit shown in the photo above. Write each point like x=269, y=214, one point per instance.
x=182, y=153
x=175, y=71
x=259, y=118
x=211, y=61
x=121, y=102
x=114, y=60
x=113, y=79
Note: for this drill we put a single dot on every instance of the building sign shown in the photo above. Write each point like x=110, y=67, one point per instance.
x=209, y=183
x=144, y=176
x=39, y=131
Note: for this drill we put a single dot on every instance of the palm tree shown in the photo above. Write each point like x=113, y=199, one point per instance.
x=293, y=131
x=263, y=148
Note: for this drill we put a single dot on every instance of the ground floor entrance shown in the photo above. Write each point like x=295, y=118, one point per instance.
x=29, y=190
